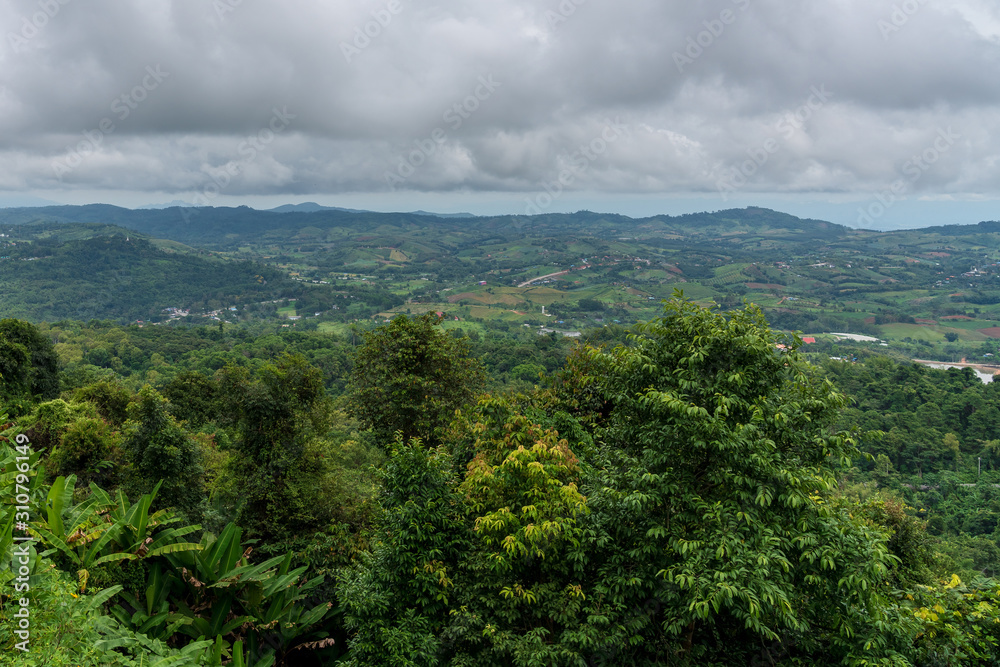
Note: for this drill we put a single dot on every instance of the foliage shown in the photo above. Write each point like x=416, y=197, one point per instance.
x=214, y=592
x=276, y=413
x=916, y=562
x=159, y=453
x=28, y=362
x=84, y=450
x=209, y=592
x=70, y=630
x=193, y=397
x=100, y=529
x=48, y=421
x=702, y=522
x=958, y=624
x=109, y=397
x=410, y=377
x=725, y=463
x=397, y=598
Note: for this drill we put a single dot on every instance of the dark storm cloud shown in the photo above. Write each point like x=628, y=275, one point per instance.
x=749, y=95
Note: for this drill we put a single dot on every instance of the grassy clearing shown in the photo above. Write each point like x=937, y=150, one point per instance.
x=337, y=328
x=970, y=325
x=175, y=246
x=481, y=296
x=698, y=292
x=930, y=333
x=543, y=296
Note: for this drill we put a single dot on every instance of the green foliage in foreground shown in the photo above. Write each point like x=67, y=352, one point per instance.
x=172, y=602
x=690, y=523
x=681, y=499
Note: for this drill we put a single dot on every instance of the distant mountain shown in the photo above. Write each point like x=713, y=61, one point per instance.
x=176, y=202
x=445, y=215
x=311, y=207
x=100, y=271
x=226, y=228
x=56, y=268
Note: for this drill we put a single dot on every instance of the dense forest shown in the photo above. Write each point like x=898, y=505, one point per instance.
x=698, y=489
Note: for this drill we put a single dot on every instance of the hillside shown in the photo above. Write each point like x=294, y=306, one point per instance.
x=930, y=293
x=88, y=272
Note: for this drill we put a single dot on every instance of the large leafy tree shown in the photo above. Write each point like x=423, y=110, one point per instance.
x=159, y=451
x=276, y=412
x=410, y=376
x=712, y=493
x=684, y=516
x=398, y=598
x=192, y=397
x=28, y=362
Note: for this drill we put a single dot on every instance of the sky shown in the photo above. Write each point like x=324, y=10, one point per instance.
x=869, y=113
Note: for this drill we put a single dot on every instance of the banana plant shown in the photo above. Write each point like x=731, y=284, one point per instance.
x=18, y=472
x=219, y=578
x=226, y=592
x=100, y=530
x=144, y=535
x=76, y=531
x=281, y=606
x=151, y=615
x=237, y=654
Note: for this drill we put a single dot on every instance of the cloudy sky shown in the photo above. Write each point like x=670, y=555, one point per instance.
x=866, y=112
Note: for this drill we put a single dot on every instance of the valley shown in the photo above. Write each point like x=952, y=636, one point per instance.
x=924, y=293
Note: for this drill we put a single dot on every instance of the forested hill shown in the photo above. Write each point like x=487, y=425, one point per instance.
x=112, y=274
x=927, y=293
x=219, y=227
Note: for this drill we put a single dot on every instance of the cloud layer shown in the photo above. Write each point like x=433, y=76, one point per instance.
x=529, y=96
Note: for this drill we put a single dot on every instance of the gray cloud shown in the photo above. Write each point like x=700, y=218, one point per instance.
x=703, y=87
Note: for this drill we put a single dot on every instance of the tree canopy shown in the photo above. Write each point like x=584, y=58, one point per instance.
x=411, y=376
x=28, y=362
x=689, y=494
x=691, y=522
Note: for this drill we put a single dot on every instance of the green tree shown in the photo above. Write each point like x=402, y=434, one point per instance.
x=276, y=412
x=410, y=376
x=109, y=397
x=193, y=397
x=157, y=448
x=399, y=596
x=685, y=517
x=86, y=450
x=29, y=365
x=716, y=468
